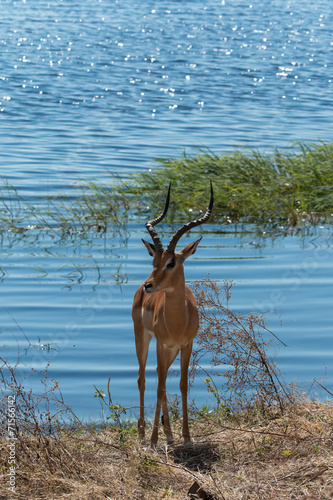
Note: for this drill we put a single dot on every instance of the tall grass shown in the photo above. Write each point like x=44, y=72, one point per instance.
x=289, y=186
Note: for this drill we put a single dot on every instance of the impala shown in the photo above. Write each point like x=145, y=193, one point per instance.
x=165, y=308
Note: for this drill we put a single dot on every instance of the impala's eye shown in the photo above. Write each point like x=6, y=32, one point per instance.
x=171, y=264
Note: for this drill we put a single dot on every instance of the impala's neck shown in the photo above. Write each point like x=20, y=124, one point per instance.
x=175, y=311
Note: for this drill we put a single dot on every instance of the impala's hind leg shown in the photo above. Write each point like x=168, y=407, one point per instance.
x=184, y=363
x=165, y=357
x=142, y=341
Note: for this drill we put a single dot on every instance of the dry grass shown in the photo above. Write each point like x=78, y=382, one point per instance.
x=242, y=457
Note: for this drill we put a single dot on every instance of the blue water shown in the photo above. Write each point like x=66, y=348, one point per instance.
x=91, y=87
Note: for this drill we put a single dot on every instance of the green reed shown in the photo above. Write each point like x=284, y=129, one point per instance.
x=288, y=187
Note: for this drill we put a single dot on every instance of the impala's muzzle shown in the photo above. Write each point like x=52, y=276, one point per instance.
x=148, y=287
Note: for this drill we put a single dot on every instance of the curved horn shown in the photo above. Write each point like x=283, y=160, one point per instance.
x=151, y=223
x=173, y=242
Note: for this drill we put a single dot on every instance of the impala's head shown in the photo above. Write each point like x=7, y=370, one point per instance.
x=168, y=267
x=168, y=264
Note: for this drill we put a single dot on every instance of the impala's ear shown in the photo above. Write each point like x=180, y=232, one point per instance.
x=150, y=247
x=188, y=250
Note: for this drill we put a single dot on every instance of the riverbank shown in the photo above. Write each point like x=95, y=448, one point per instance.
x=247, y=456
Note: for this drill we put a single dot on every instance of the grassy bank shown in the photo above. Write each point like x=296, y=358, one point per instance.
x=290, y=187
x=245, y=456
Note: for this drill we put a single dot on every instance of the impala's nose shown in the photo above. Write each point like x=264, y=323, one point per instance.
x=147, y=287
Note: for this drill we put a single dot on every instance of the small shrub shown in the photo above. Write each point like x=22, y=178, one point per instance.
x=239, y=344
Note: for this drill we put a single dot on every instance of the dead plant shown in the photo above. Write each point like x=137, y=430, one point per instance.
x=239, y=347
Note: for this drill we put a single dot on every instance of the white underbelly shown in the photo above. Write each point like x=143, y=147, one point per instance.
x=150, y=332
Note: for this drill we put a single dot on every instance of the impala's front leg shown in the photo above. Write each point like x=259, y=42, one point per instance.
x=184, y=363
x=142, y=341
x=165, y=357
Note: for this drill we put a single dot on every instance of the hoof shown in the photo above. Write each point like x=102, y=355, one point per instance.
x=142, y=437
x=169, y=437
x=188, y=443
